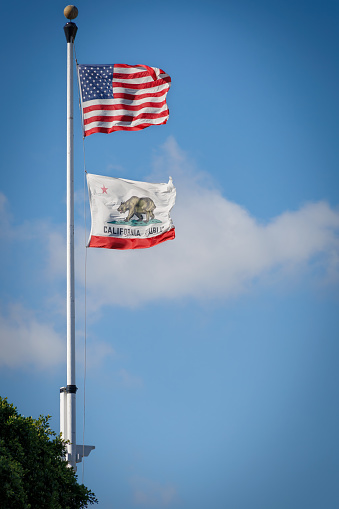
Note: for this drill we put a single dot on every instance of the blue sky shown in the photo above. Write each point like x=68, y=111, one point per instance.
x=212, y=359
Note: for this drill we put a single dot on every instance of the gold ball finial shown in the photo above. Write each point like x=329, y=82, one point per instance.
x=70, y=12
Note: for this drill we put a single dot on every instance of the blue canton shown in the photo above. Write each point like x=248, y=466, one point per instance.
x=96, y=81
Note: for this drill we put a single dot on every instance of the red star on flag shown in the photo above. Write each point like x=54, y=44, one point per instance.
x=104, y=189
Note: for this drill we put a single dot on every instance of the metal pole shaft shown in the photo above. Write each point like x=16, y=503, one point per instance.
x=71, y=403
x=70, y=30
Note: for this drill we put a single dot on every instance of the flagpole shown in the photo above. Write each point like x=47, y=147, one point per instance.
x=69, y=424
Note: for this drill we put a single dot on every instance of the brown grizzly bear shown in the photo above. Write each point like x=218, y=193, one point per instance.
x=138, y=206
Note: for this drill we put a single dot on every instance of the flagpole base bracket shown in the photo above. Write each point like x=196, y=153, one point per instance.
x=82, y=451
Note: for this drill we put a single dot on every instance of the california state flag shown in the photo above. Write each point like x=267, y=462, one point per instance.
x=129, y=215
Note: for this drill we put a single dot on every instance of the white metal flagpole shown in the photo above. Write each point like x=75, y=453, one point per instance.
x=75, y=452
x=70, y=393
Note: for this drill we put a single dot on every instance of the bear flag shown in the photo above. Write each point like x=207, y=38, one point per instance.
x=129, y=215
x=122, y=97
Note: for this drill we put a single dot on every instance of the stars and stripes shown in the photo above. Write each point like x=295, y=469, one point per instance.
x=122, y=97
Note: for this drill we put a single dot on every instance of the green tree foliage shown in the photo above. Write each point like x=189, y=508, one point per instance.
x=33, y=473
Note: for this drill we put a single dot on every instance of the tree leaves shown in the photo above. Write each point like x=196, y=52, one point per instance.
x=33, y=472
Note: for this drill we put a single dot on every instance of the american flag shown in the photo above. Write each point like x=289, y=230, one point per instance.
x=122, y=97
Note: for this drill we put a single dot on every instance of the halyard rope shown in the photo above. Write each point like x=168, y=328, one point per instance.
x=85, y=284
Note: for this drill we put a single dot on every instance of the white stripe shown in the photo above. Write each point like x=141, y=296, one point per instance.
x=128, y=70
x=137, y=102
x=104, y=102
x=135, y=123
x=134, y=81
x=122, y=70
x=113, y=102
x=118, y=113
x=118, y=90
x=134, y=69
x=164, y=87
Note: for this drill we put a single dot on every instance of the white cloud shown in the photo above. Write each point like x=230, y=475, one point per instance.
x=5, y=216
x=26, y=341
x=98, y=352
x=26, y=230
x=148, y=493
x=128, y=380
x=219, y=250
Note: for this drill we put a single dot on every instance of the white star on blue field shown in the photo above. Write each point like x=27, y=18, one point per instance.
x=96, y=82
x=212, y=359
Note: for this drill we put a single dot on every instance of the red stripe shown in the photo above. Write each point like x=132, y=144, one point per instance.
x=141, y=74
x=123, y=95
x=130, y=97
x=112, y=129
x=128, y=66
x=149, y=84
x=119, y=128
x=150, y=72
x=150, y=69
x=125, y=118
x=119, y=243
x=133, y=107
x=121, y=106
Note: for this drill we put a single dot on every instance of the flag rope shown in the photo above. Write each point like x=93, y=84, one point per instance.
x=85, y=351
x=85, y=285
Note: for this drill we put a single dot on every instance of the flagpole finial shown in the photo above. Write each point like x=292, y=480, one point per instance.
x=70, y=12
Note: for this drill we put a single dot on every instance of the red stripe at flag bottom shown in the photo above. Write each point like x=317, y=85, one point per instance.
x=120, y=243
